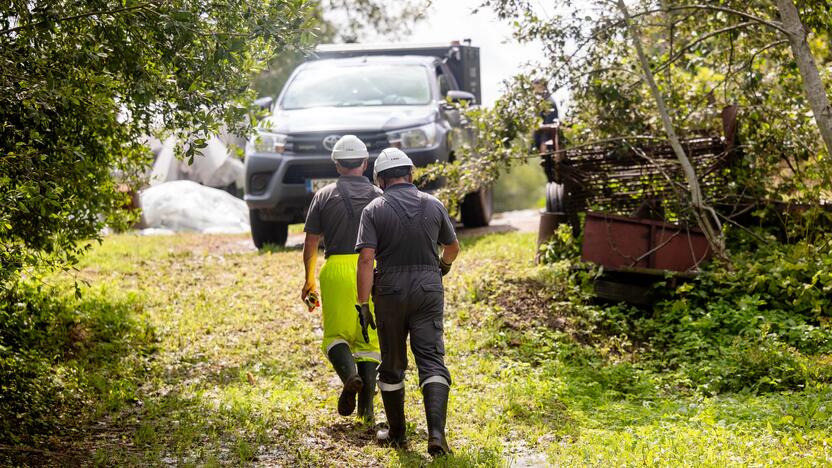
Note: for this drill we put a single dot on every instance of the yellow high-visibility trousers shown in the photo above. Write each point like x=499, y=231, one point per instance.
x=339, y=294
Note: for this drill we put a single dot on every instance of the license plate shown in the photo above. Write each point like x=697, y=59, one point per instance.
x=313, y=185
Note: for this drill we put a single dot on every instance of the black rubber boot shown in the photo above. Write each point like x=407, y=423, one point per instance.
x=394, y=436
x=344, y=363
x=368, y=372
x=436, y=411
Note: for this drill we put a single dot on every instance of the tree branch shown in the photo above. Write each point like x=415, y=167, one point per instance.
x=699, y=40
x=772, y=24
x=701, y=211
x=82, y=15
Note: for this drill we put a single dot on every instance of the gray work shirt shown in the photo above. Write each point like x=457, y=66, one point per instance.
x=382, y=230
x=328, y=215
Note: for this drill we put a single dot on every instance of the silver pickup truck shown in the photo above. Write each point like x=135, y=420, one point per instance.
x=391, y=96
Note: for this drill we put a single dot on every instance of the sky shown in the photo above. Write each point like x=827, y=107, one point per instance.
x=500, y=55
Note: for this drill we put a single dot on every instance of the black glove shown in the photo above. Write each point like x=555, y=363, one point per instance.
x=444, y=267
x=365, y=317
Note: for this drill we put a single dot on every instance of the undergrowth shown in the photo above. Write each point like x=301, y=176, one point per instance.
x=759, y=323
x=194, y=350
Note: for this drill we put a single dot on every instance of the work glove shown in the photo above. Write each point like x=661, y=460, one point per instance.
x=365, y=317
x=444, y=267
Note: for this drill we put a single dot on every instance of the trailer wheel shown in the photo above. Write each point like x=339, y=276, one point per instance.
x=476, y=208
x=267, y=232
x=555, y=198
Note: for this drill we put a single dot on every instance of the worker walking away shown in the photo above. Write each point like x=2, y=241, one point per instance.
x=402, y=231
x=335, y=214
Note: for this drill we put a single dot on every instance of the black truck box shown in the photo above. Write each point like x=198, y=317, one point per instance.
x=462, y=59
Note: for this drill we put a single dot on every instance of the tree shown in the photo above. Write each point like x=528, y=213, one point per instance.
x=694, y=57
x=83, y=82
x=796, y=34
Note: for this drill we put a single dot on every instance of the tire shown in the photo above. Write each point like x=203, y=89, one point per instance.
x=476, y=208
x=267, y=232
x=555, y=198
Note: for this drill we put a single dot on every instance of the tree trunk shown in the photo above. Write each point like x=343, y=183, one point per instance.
x=812, y=84
x=705, y=215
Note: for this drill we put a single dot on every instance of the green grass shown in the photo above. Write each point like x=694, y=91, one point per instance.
x=206, y=356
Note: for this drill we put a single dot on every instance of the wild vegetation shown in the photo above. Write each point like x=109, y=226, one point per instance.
x=701, y=57
x=194, y=350
x=85, y=83
x=757, y=325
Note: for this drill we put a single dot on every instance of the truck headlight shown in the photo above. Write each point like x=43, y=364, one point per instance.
x=413, y=138
x=265, y=142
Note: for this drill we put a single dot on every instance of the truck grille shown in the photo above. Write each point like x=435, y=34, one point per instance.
x=312, y=143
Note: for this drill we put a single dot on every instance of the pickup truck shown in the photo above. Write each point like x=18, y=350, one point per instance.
x=387, y=96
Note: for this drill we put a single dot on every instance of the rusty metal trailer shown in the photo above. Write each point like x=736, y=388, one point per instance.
x=630, y=194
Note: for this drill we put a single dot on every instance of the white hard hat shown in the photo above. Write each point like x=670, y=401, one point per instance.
x=390, y=158
x=349, y=147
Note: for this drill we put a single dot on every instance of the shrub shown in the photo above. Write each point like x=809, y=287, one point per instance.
x=760, y=323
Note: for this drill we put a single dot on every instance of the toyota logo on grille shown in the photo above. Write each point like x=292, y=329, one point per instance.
x=329, y=141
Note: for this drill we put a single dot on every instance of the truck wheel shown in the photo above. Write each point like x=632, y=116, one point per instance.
x=555, y=198
x=476, y=208
x=267, y=232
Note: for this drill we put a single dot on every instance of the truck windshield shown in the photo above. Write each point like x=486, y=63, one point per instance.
x=365, y=85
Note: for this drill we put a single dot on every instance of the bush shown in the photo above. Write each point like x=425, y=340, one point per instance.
x=759, y=324
x=562, y=246
x=755, y=324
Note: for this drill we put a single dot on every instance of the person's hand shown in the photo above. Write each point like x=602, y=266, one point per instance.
x=444, y=267
x=309, y=296
x=365, y=317
x=307, y=288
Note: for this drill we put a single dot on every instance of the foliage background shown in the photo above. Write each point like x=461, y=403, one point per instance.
x=84, y=83
x=704, y=59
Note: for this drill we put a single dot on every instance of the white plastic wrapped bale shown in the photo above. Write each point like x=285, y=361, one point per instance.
x=166, y=166
x=183, y=205
x=213, y=165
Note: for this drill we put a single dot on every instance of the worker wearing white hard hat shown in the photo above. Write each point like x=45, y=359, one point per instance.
x=390, y=158
x=411, y=237
x=335, y=215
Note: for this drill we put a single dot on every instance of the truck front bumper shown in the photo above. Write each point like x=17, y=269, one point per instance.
x=276, y=183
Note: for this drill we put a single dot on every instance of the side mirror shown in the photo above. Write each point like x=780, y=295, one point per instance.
x=456, y=95
x=264, y=102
